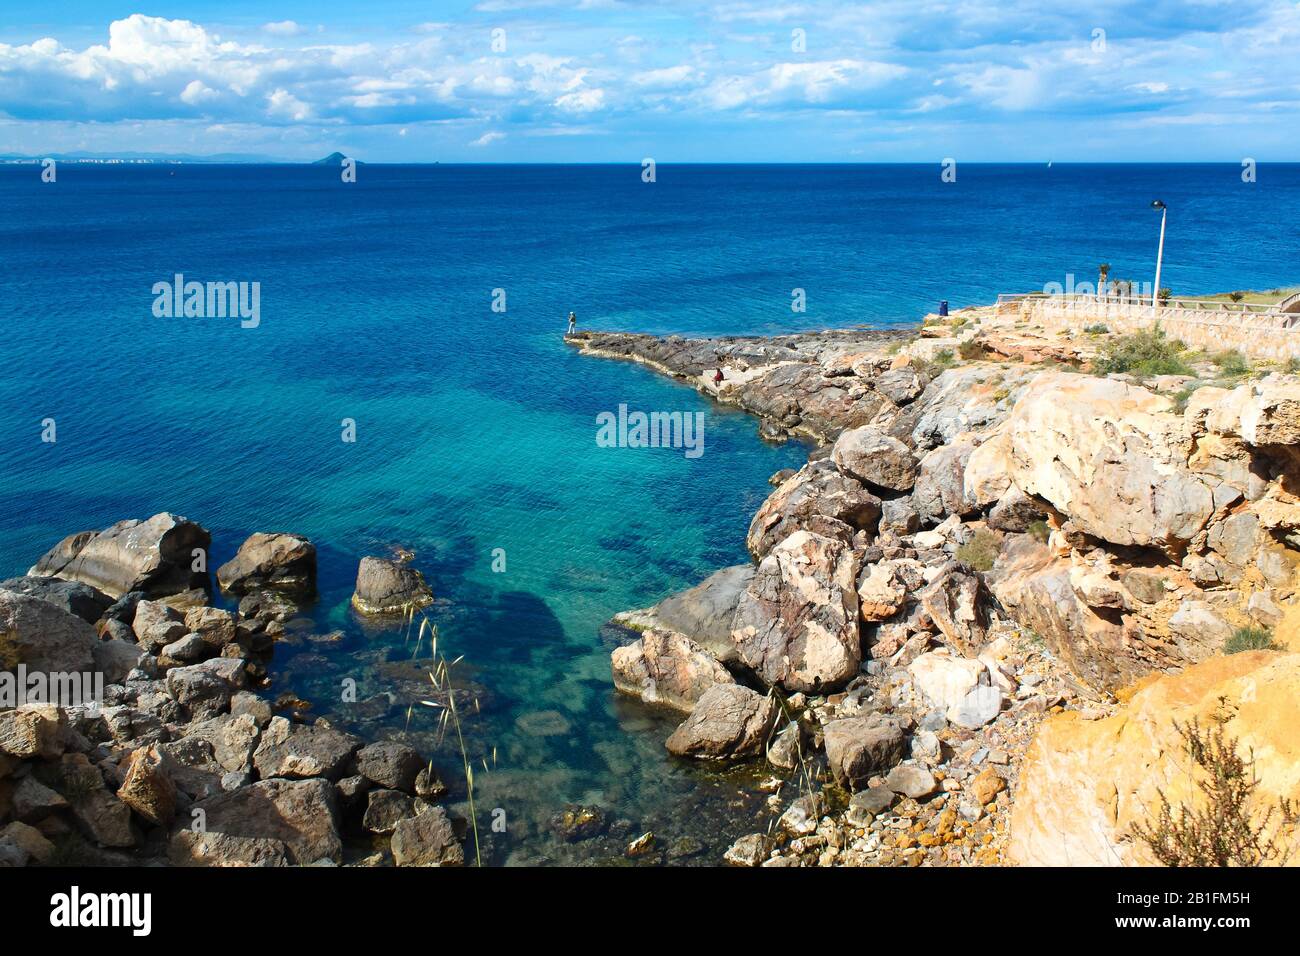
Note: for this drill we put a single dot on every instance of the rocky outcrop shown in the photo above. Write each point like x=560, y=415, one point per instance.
x=271, y=561
x=386, y=586
x=1085, y=784
x=703, y=613
x=663, y=667
x=1112, y=457
x=728, y=721
x=157, y=556
x=796, y=625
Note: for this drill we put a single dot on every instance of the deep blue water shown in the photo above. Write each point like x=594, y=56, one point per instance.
x=475, y=429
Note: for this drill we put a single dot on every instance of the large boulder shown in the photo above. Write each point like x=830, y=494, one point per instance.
x=859, y=748
x=58, y=557
x=704, y=613
x=663, y=667
x=157, y=556
x=303, y=750
x=945, y=681
x=818, y=498
x=390, y=764
x=385, y=586
x=796, y=625
x=1112, y=457
x=728, y=721
x=270, y=561
x=205, y=689
x=270, y=823
x=85, y=602
x=427, y=839
x=1085, y=784
x=875, y=458
x=43, y=636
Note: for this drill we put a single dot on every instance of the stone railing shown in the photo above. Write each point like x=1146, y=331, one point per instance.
x=1258, y=332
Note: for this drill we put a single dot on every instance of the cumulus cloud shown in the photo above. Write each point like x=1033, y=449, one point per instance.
x=487, y=138
x=578, y=65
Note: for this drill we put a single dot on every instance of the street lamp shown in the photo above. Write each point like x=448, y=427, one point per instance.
x=1160, y=253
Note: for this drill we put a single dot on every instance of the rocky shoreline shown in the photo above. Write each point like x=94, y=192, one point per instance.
x=182, y=762
x=999, y=546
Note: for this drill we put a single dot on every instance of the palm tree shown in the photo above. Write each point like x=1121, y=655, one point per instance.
x=1104, y=270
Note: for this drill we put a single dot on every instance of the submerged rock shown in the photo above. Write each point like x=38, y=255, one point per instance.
x=385, y=586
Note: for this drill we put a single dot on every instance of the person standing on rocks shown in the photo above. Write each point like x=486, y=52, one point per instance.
x=573, y=323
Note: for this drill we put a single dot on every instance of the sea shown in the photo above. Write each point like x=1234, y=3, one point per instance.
x=406, y=385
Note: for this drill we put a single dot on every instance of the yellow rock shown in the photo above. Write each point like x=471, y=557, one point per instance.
x=1084, y=784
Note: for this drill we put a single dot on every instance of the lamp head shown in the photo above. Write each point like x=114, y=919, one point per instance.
x=1158, y=204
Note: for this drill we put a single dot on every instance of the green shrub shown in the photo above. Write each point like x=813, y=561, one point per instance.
x=1098, y=329
x=981, y=550
x=1292, y=366
x=1229, y=825
x=1039, y=531
x=1145, y=353
x=943, y=359
x=972, y=351
x=1250, y=639
x=1232, y=363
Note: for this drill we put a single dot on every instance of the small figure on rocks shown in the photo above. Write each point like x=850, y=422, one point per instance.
x=573, y=323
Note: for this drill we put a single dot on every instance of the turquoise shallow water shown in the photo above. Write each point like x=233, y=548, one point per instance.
x=475, y=429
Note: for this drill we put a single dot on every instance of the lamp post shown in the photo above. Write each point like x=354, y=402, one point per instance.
x=1160, y=252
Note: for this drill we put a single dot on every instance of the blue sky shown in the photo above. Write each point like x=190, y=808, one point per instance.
x=677, y=80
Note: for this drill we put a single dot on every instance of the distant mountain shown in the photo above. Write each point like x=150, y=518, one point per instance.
x=334, y=159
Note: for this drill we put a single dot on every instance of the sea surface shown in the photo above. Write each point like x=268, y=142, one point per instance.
x=475, y=428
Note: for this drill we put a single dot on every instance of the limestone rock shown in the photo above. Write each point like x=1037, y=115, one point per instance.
x=390, y=764
x=859, y=748
x=1112, y=457
x=884, y=587
x=148, y=788
x=389, y=587
x=663, y=667
x=269, y=823
x=944, y=680
x=875, y=458
x=956, y=602
x=728, y=721
x=940, y=482
x=796, y=625
x=427, y=839
x=85, y=602
x=704, y=613
x=1084, y=784
x=303, y=750
x=155, y=556
x=270, y=561
x=44, y=637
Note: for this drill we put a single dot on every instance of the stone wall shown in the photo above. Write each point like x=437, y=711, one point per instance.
x=1256, y=335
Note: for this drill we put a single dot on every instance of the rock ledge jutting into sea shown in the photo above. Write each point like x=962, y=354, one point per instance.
x=991, y=542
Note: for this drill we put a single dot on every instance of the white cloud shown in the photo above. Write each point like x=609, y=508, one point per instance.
x=487, y=138
x=283, y=28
